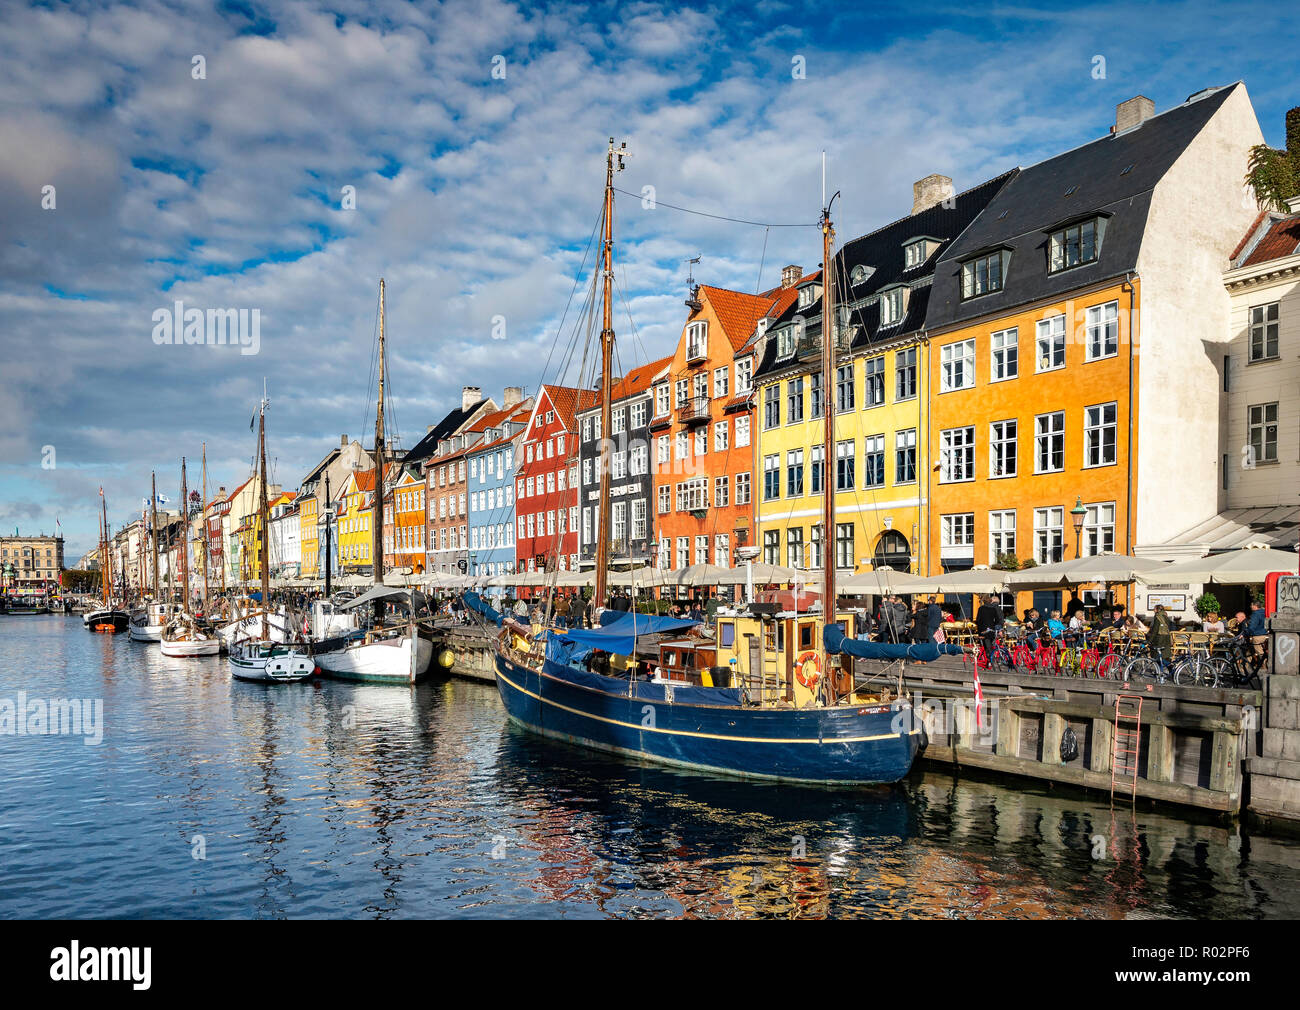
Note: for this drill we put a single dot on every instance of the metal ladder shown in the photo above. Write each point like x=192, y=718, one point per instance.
x=1126, y=742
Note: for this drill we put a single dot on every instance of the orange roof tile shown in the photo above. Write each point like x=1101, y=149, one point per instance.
x=1250, y=233
x=1282, y=239
x=737, y=312
x=567, y=399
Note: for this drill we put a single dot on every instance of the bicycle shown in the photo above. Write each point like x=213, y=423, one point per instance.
x=1151, y=666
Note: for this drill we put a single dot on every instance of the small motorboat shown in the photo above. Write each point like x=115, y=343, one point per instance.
x=269, y=662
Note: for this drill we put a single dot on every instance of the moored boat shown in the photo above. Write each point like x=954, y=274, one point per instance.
x=269, y=662
x=147, y=624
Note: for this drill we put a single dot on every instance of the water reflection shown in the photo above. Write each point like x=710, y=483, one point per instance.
x=330, y=799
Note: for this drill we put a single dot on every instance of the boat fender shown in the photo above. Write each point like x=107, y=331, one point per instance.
x=801, y=666
x=1069, y=745
x=446, y=659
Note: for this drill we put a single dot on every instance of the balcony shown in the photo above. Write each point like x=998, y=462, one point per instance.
x=696, y=351
x=694, y=411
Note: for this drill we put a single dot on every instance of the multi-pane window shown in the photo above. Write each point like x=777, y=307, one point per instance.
x=742, y=488
x=1005, y=353
x=844, y=554
x=1049, y=535
x=701, y=384
x=1262, y=429
x=701, y=441
x=744, y=376
x=874, y=381
x=617, y=424
x=661, y=449
x=661, y=400
x=638, y=413
x=772, y=406
x=1051, y=344
x=1073, y=246
x=692, y=494
x=665, y=502
x=818, y=538
x=891, y=306
x=618, y=521
x=905, y=374
x=957, y=363
x=844, y=387
x=845, y=458
x=638, y=460
x=722, y=549
x=794, y=400
x=1049, y=442
x=697, y=340
x=1103, y=330
x=771, y=547
x=794, y=473
x=772, y=476
x=1098, y=528
x=1263, y=331
x=721, y=380
x=983, y=275
x=702, y=550
x=905, y=456
x=618, y=467
x=957, y=454
x=873, y=461
x=681, y=391
x=816, y=462
x=957, y=530
x=742, y=431
x=1002, y=533
x=1099, y=434
x=683, y=552
x=1002, y=448
x=683, y=444
x=794, y=547
x=721, y=492
x=815, y=395
x=721, y=431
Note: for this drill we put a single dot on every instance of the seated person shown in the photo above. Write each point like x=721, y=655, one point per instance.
x=1054, y=626
x=1213, y=623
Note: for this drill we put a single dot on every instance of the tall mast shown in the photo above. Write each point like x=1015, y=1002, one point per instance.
x=262, y=509
x=329, y=534
x=377, y=510
x=103, y=553
x=185, y=541
x=108, y=557
x=828, y=412
x=606, y=360
x=207, y=553
x=153, y=532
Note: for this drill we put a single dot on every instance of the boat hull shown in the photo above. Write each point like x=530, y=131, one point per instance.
x=107, y=622
x=284, y=668
x=379, y=662
x=278, y=629
x=146, y=632
x=188, y=649
x=866, y=745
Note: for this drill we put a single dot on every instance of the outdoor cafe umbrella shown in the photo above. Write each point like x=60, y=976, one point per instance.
x=880, y=581
x=763, y=574
x=1245, y=566
x=697, y=575
x=1098, y=568
x=972, y=580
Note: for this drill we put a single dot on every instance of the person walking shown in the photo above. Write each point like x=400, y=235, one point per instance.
x=988, y=619
x=934, y=618
x=561, y=610
x=1160, y=636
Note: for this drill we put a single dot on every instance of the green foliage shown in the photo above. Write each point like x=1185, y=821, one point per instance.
x=1207, y=603
x=76, y=580
x=1273, y=175
x=1007, y=563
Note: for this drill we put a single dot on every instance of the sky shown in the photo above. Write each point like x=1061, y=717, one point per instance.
x=280, y=158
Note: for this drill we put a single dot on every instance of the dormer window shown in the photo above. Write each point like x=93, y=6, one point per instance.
x=893, y=304
x=914, y=254
x=1075, y=244
x=984, y=274
x=860, y=273
x=785, y=343
x=806, y=296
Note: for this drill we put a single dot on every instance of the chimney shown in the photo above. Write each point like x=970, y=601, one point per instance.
x=1293, y=204
x=514, y=395
x=1133, y=113
x=469, y=395
x=790, y=275
x=930, y=191
x=343, y=441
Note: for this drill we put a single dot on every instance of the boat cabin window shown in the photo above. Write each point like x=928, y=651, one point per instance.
x=806, y=631
x=726, y=634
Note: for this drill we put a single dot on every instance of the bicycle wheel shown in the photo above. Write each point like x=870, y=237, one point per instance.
x=1142, y=668
x=1217, y=670
x=1187, y=673
x=1110, y=667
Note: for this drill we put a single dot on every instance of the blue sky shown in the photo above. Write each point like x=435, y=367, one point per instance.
x=475, y=194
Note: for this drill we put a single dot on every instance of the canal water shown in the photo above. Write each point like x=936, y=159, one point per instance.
x=211, y=798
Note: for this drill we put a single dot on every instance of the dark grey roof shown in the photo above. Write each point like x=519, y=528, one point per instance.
x=1020, y=216
x=445, y=428
x=882, y=251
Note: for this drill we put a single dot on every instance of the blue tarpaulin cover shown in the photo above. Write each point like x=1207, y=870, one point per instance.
x=618, y=629
x=927, y=652
x=478, y=604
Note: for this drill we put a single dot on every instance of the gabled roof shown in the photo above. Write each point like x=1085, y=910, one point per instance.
x=520, y=417
x=565, y=401
x=445, y=428
x=1115, y=175
x=738, y=313
x=636, y=382
x=1280, y=240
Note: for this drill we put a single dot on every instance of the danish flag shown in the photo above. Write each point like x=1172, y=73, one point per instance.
x=979, y=702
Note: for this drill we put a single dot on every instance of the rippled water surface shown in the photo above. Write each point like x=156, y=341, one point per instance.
x=329, y=799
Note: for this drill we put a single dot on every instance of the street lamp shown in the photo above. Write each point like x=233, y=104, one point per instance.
x=1076, y=516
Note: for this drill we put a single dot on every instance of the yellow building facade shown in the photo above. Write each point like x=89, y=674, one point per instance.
x=354, y=520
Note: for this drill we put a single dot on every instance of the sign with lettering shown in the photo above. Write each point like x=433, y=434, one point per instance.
x=1288, y=594
x=1170, y=601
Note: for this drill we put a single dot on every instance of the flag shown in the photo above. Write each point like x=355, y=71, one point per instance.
x=979, y=701
x=101, y=490
x=163, y=499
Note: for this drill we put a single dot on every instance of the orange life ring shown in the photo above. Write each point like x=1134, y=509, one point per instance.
x=801, y=661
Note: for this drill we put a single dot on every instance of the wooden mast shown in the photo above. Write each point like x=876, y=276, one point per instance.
x=185, y=542
x=153, y=532
x=606, y=360
x=828, y=452
x=108, y=557
x=207, y=551
x=377, y=511
x=262, y=509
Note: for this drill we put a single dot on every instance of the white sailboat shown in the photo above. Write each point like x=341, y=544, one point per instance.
x=394, y=654
x=263, y=659
x=185, y=636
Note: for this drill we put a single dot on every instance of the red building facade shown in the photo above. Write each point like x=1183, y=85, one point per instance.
x=546, y=482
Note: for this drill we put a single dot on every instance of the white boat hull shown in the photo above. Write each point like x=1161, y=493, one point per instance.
x=188, y=649
x=277, y=629
x=145, y=632
x=385, y=661
x=281, y=667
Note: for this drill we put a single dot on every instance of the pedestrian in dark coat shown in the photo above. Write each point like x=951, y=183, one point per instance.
x=934, y=618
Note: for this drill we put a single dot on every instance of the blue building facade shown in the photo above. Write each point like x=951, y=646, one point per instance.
x=491, y=489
